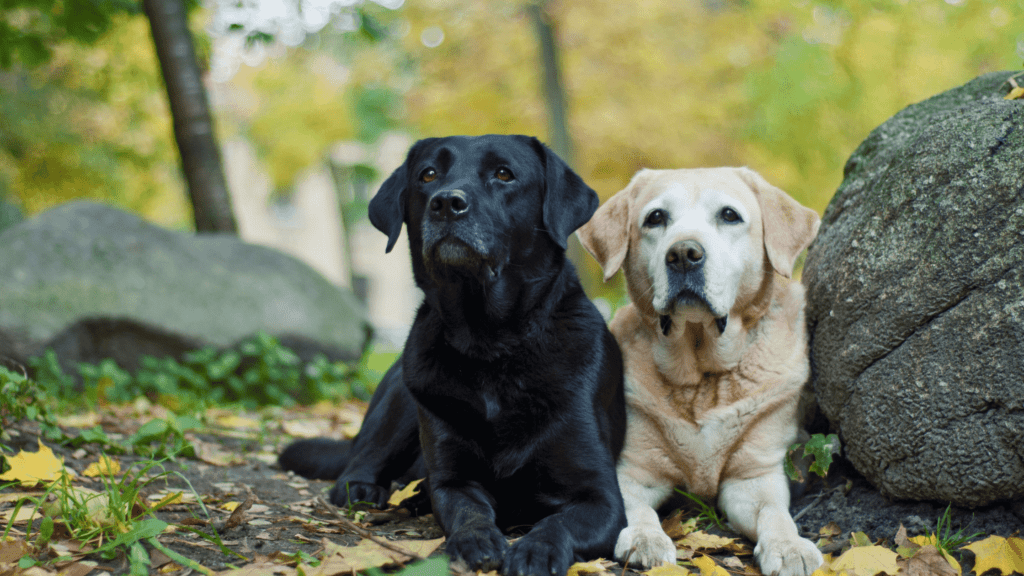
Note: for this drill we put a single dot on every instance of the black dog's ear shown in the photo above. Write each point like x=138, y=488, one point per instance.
x=387, y=207
x=568, y=201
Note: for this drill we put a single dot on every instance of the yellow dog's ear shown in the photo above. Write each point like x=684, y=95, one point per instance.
x=606, y=235
x=789, y=227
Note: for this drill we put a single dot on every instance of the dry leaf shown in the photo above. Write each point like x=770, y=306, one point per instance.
x=410, y=490
x=31, y=468
x=1014, y=94
x=702, y=540
x=667, y=570
x=105, y=466
x=829, y=530
x=866, y=561
x=732, y=562
x=367, y=554
x=597, y=567
x=87, y=420
x=1003, y=554
x=929, y=561
x=708, y=567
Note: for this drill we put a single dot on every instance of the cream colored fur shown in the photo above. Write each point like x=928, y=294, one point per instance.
x=712, y=412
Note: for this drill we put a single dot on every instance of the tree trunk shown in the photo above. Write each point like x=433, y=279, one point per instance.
x=558, y=121
x=193, y=125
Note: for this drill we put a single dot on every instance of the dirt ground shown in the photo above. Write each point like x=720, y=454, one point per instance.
x=282, y=505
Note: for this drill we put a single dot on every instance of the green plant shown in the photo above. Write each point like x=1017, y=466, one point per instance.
x=21, y=398
x=820, y=447
x=116, y=518
x=259, y=372
x=707, y=514
x=945, y=539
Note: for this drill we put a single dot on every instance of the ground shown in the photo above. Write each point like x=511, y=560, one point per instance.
x=282, y=521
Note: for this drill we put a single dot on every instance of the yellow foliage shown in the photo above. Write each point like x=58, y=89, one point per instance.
x=31, y=468
x=410, y=490
x=708, y=567
x=667, y=570
x=995, y=552
x=105, y=466
x=866, y=561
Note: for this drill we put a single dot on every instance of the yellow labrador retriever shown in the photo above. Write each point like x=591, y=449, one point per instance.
x=715, y=352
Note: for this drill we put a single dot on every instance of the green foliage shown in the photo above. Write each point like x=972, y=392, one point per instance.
x=30, y=28
x=260, y=372
x=820, y=447
x=948, y=541
x=707, y=514
x=22, y=399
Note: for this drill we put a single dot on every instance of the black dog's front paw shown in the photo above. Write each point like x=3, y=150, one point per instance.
x=538, y=556
x=481, y=547
x=348, y=493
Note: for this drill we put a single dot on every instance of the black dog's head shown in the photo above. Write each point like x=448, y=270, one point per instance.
x=476, y=205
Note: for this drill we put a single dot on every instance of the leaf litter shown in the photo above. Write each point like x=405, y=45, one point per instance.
x=227, y=509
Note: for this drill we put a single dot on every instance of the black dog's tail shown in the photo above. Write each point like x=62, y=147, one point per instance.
x=316, y=458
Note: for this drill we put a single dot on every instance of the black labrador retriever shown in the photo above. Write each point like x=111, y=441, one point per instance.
x=508, y=394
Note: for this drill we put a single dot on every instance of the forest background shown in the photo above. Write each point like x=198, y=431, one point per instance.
x=787, y=87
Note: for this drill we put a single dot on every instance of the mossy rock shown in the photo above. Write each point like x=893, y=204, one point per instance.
x=915, y=290
x=92, y=280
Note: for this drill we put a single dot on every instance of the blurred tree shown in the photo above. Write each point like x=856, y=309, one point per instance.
x=193, y=125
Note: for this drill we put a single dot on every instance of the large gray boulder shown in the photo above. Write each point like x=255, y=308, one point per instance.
x=915, y=290
x=93, y=281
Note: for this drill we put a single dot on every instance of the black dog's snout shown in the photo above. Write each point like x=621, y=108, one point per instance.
x=685, y=255
x=449, y=204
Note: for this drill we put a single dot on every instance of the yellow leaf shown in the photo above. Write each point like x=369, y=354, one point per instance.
x=701, y=540
x=230, y=506
x=1017, y=92
x=87, y=420
x=708, y=567
x=236, y=421
x=410, y=490
x=667, y=570
x=585, y=568
x=1003, y=554
x=33, y=467
x=367, y=554
x=105, y=466
x=866, y=561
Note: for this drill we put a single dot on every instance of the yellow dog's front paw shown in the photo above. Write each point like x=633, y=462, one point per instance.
x=646, y=546
x=794, y=557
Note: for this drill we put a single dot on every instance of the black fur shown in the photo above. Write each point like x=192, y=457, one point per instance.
x=508, y=394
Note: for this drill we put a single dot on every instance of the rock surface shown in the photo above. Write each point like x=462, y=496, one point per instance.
x=93, y=281
x=915, y=291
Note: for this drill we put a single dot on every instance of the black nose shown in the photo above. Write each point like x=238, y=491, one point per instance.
x=449, y=204
x=685, y=255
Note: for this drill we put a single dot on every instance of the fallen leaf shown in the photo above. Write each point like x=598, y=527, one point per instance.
x=829, y=530
x=367, y=554
x=14, y=550
x=996, y=552
x=667, y=570
x=87, y=420
x=31, y=468
x=105, y=466
x=304, y=428
x=410, y=490
x=584, y=568
x=673, y=525
x=235, y=421
x=929, y=561
x=732, y=562
x=860, y=539
x=702, y=540
x=1017, y=92
x=708, y=567
x=866, y=561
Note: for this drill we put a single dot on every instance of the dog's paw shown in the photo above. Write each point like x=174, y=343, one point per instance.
x=646, y=546
x=481, y=547
x=347, y=493
x=538, y=556
x=793, y=557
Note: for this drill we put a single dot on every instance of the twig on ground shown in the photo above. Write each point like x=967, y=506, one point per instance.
x=807, y=508
x=625, y=564
x=352, y=526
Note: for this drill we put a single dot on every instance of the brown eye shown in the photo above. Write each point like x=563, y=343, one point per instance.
x=503, y=174
x=428, y=175
x=655, y=218
x=729, y=215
